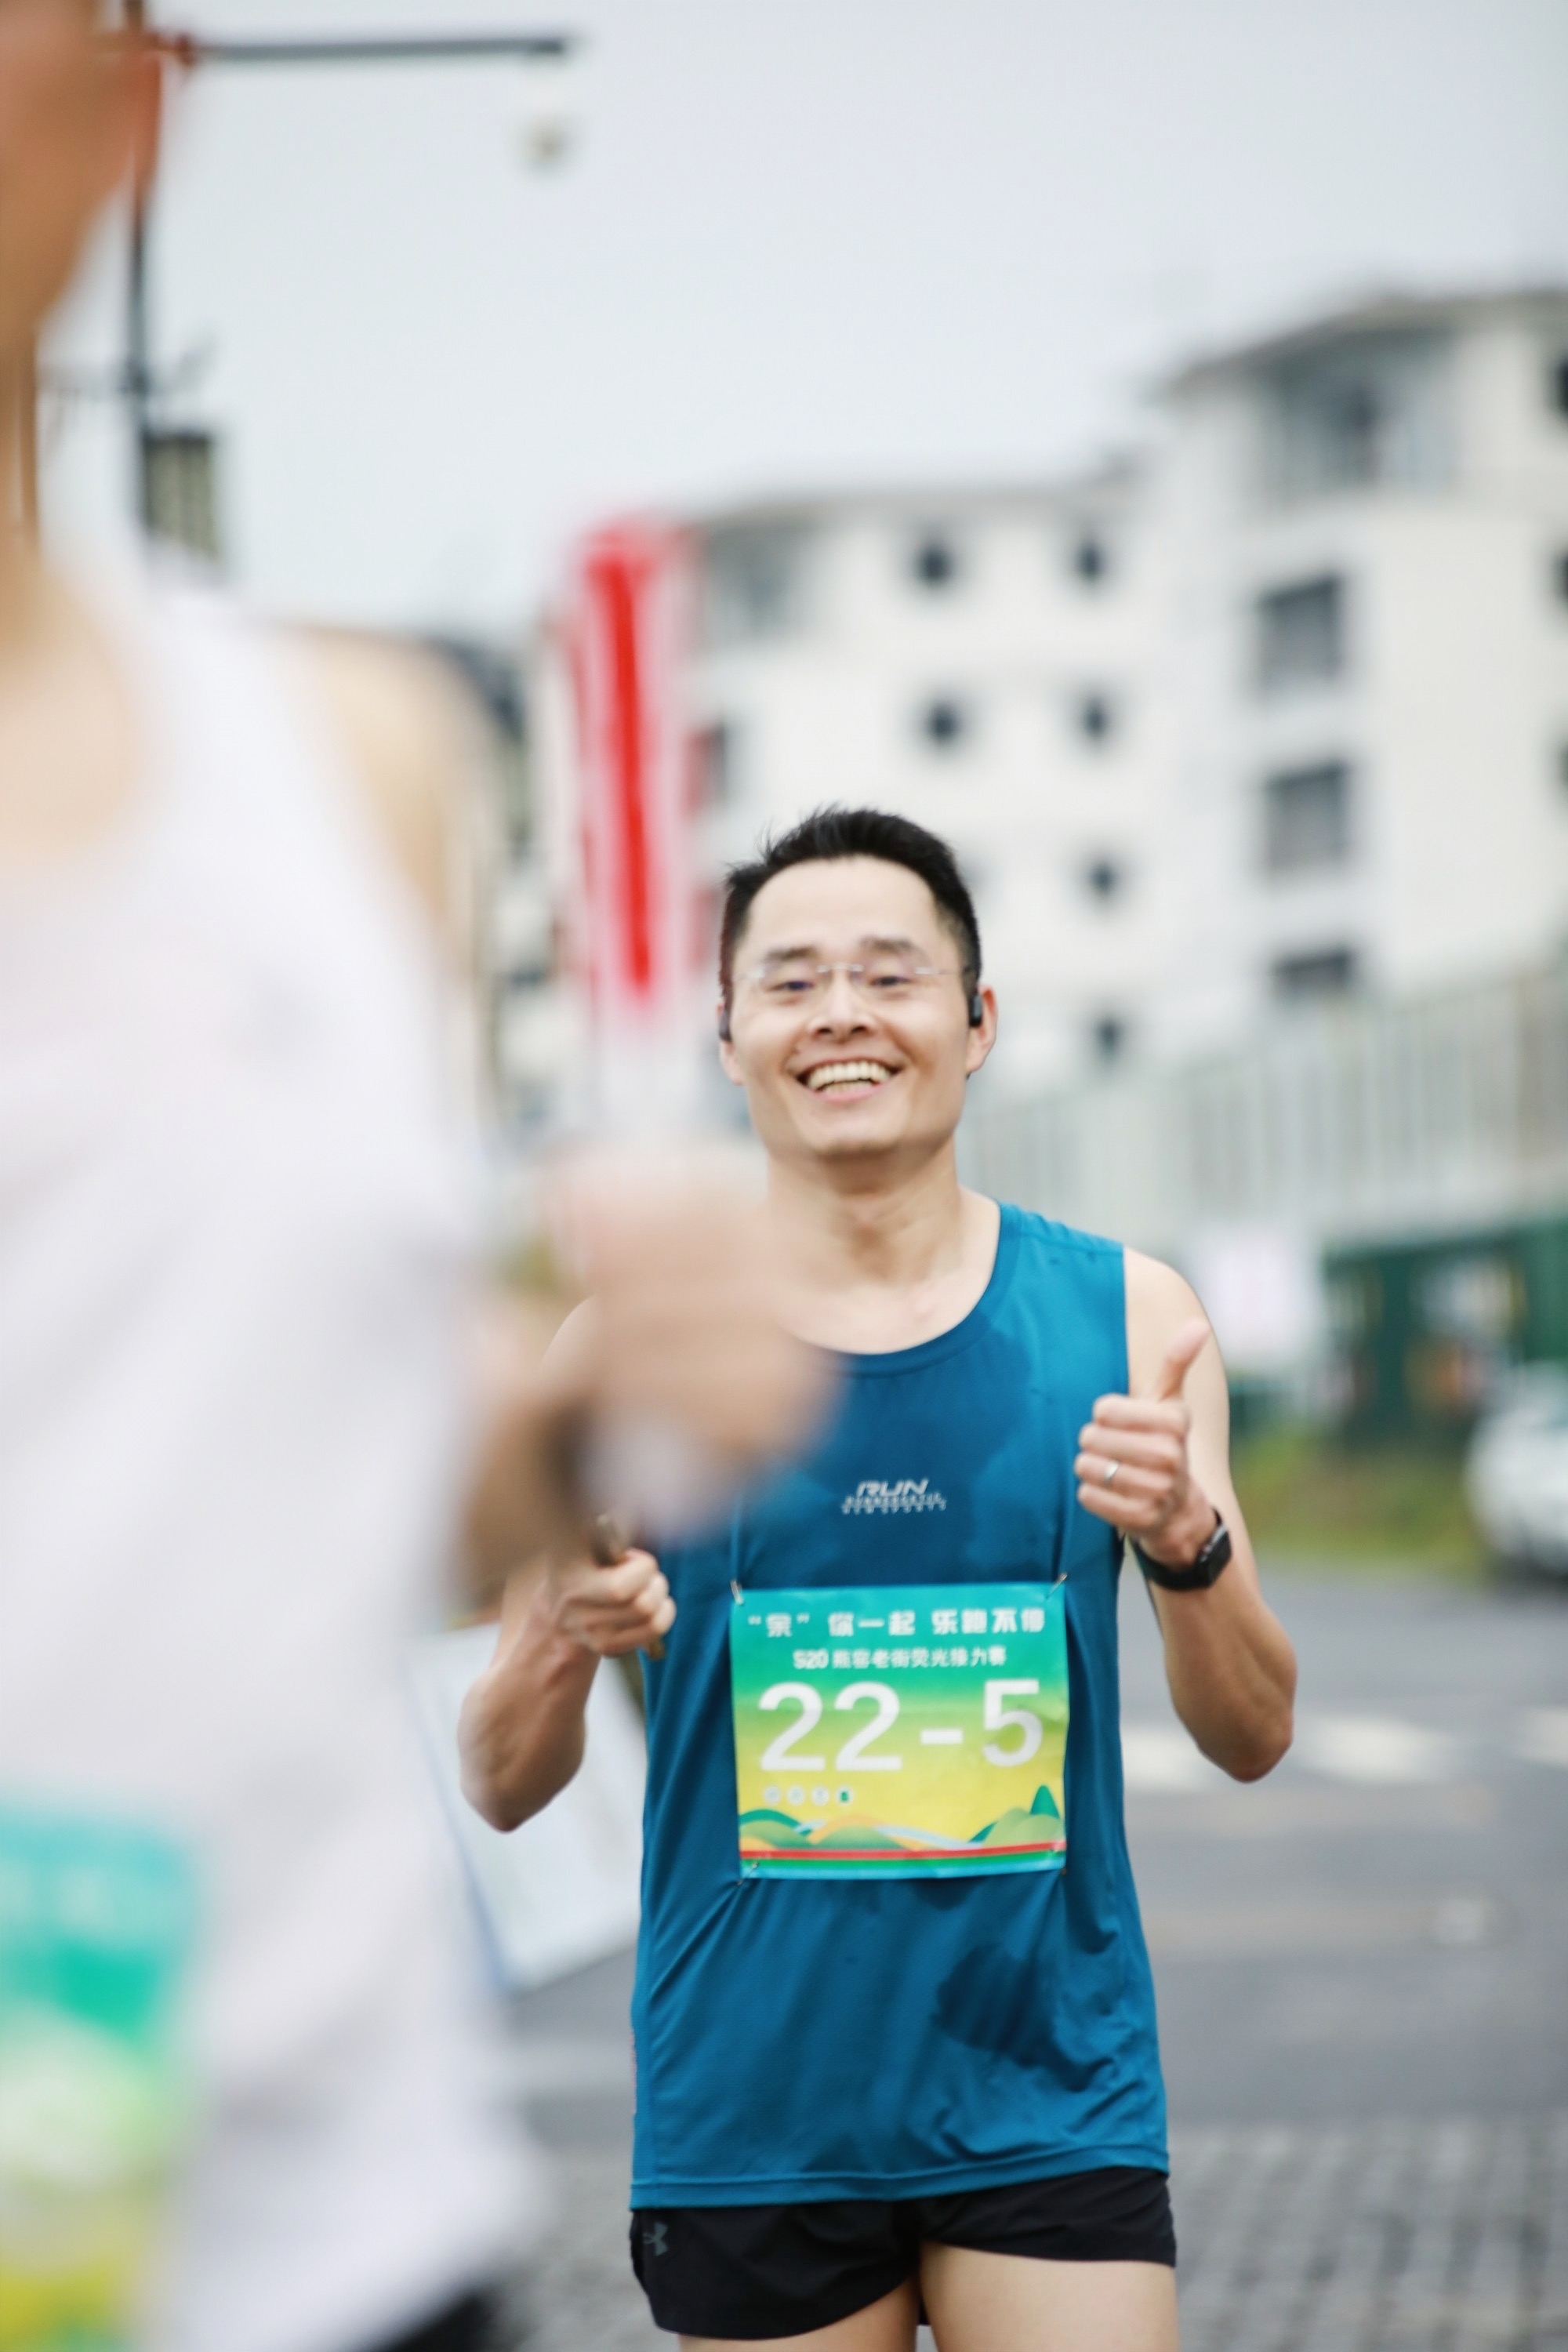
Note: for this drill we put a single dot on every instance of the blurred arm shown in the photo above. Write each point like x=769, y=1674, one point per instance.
x=522, y=1729
x=523, y=1726
x=684, y=1325
x=1229, y=1664
x=421, y=749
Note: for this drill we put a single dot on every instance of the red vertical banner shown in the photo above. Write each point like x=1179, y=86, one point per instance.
x=627, y=642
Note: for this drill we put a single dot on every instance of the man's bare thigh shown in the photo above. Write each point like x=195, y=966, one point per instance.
x=1017, y=2303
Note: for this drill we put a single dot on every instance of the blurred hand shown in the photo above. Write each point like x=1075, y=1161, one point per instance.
x=683, y=1325
x=1139, y=1445
x=610, y=1610
x=672, y=1380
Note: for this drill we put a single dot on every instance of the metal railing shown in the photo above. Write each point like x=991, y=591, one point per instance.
x=1360, y=1122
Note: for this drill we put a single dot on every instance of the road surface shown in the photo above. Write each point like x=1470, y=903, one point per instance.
x=1363, y=1972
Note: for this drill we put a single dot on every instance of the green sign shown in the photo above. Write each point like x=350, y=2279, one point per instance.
x=96, y=1924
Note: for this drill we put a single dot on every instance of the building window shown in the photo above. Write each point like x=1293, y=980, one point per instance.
x=1090, y=559
x=1307, y=818
x=1366, y=412
x=180, y=471
x=1557, y=384
x=753, y=582
x=719, y=763
x=1301, y=635
x=1324, y=972
x=946, y=724
x=1094, y=715
x=1346, y=420
x=522, y=978
x=1104, y=879
x=1108, y=1038
x=934, y=562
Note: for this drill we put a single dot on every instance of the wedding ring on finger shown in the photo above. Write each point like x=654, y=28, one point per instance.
x=1111, y=1470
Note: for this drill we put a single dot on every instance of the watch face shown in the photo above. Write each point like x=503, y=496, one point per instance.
x=1216, y=1553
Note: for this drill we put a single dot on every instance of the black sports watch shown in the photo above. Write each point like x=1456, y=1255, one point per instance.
x=1204, y=1571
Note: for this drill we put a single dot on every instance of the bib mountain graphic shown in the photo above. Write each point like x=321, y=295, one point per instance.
x=779, y=1835
x=880, y=1495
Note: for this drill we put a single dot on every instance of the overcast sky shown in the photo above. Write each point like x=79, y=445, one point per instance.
x=804, y=243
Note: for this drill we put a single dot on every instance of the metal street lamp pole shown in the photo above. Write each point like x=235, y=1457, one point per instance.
x=138, y=355
x=189, y=50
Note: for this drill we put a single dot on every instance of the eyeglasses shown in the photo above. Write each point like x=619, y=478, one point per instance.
x=881, y=980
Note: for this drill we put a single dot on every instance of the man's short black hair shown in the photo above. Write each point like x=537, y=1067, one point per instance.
x=830, y=832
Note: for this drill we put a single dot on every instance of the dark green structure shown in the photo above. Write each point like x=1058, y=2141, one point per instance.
x=1422, y=1329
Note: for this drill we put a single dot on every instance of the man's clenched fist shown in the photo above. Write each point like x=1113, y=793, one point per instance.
x=611, y=1610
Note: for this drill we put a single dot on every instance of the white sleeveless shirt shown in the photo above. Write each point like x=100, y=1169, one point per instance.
x=234, y=1256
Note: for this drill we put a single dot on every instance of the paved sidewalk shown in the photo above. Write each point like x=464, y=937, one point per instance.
x=1398, y=2236
x=1449, y=2237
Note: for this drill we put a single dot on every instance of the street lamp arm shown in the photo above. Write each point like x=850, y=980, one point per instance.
x=190, y=49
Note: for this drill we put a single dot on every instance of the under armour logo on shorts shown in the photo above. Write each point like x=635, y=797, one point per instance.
x=656, y=2237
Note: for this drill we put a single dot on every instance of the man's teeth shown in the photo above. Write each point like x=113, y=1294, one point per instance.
x=845, y=1073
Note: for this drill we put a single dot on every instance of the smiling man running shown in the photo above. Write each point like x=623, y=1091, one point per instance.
x=894, y=2025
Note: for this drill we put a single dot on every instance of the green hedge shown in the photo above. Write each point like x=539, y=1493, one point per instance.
x=1396, y=1508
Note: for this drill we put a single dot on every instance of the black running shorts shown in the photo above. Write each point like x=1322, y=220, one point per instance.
x=757, y=2272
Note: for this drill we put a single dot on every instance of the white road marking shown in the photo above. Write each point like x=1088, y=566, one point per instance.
x=943, y=1738
x=1377, y=1750
x=1293, y=1928
x=1543, y=1736
x=1161, y=1757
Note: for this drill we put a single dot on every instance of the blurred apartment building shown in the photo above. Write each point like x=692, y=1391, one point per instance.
x=1256, y=751
x=1279, y=713
x=1365, y=529
x=1276, y=713
x=987, y=663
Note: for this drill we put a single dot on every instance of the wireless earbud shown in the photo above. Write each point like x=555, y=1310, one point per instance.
x=976, y=1008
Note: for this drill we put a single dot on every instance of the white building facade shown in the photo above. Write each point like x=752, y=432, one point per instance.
x=1366, y=534
x=1275, y=716
x=981, y=663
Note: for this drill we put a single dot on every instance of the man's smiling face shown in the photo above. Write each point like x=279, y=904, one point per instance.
x=848, y=1071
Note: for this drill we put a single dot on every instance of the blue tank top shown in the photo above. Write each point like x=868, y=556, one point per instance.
x=902, y=2038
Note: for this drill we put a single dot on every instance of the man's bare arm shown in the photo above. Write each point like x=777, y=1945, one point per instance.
x=1229, y=1664
x=522, y=1730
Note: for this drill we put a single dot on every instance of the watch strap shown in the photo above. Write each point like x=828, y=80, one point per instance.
x=1203, y=1571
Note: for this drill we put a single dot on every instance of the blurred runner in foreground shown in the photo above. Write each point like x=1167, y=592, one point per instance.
x=238, y=1433
x=928, y=2066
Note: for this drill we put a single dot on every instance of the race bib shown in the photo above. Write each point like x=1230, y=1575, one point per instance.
x=913, y=1731
x=96, y=1925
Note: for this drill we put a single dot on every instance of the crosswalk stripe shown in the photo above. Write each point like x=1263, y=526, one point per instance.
x=1367, y=1751
x=1160, y=1756
x=1376, y=1750
x=1541, y=1736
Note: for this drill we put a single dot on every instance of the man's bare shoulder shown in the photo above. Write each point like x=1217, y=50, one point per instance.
x=1159, y=1301
x=417, y=743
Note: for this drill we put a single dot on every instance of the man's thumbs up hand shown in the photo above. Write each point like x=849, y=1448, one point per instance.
x=1132, y=1466
x=1180, y=1357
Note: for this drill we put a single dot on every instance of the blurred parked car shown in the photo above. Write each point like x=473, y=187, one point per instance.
x=1516, y=1474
